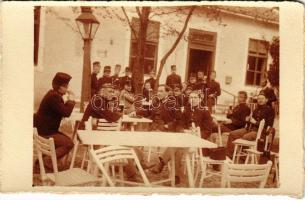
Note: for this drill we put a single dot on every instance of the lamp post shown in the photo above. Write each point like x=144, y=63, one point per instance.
x=87, y=25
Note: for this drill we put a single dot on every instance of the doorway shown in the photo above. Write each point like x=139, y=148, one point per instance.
x=199, y=60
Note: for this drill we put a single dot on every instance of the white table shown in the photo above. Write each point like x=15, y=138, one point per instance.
x=157, y=139
x=220, y=118
x=134, y=120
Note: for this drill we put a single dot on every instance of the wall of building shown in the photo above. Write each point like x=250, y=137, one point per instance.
x=61, y=48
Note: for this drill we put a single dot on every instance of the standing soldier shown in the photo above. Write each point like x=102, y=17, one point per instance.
x=127, y=77
x=151, y=79
x=94, y=81
x=115, y=79
x=213, y=91
x=50, y=113
x=106, y=77
x=193, y=82
x=173, y=79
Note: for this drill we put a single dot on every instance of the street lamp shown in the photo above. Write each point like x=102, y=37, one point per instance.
x=87, y=25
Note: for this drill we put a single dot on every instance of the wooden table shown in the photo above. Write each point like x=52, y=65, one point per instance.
x=157, y=139
x=220, y=118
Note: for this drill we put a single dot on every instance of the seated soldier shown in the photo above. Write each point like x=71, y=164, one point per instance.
x=147, y=91
x=167, y=118
x=194, y=112
x=101, y=107
x=50, y=113
x=262, y=111
x=179, y=97
x=127, y=98
x=237, y=115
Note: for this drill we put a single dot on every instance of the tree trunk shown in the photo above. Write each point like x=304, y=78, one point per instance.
x=171, y=50
x=138, y=68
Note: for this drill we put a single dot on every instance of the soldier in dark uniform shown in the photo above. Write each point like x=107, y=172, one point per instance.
x=50, y=113
x=151, y=79
x=126, y=78
x=106, y=77
x=101, y=107
x=213, y=91
x=237, y=115
x=94, y=81
x=115, y=79
x=179, y=97
x=269, y=93
x=262, y=111
x=167, y=118
x=201, y=83
x=193, y=82
x=201, y=117
x=173, y=79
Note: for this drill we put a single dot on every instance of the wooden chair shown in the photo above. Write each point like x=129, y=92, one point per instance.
x=246, y=173
x=105, y=156
x=241, y=143
x=202, y=163
x=104, y=125
x=71, y=177
x=253, y=154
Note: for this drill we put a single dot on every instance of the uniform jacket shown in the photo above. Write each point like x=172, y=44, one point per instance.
x=200, y=117
x=173, y=80
x=238, y=116
x=124, y=79
x=99, y=108
x=263, y=112
x=103, y=80
x=94, y=84
x=50, y=113
x=116, y=81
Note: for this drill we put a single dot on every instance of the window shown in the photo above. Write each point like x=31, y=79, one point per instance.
x=257, y=62
x=36, y=33
x=151, y=47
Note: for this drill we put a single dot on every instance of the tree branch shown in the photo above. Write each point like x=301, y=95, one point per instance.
x=129, y=23
x=170, y=51
x=139, y=12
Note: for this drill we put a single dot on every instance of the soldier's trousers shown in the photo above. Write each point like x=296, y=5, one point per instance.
x=178, y=158
x=236, y=134
x=63, y=144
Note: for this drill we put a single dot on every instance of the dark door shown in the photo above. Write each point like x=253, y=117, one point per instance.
x=199, y=60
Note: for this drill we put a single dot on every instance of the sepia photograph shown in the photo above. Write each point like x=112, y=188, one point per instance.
x=156, y=96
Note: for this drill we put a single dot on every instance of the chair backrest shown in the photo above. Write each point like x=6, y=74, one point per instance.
x=46, y=147
x=246, y=173
x=260, y=130
x=102, y=157
x=104, y=125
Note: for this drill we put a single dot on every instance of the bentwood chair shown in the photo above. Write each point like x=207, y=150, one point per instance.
x=239, y=144
x=71, y=177
x=245, y=173
x=106, y=156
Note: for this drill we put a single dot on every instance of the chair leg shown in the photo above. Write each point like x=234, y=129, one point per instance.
x=234, y=154
x=74, y=155
x=203, y=174
x=222, y=182
x=247, y=158
x=121, y=174
x=239, y=153
x=84, y=158
x=276, y=172
x=149, y=154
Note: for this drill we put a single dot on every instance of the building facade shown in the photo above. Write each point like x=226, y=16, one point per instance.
x=234, y=44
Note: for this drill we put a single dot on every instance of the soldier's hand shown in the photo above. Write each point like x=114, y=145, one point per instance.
x=252, y=120
x=229, y=121
x=247, y=118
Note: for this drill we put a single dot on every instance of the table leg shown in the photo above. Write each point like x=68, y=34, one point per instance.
x=189, y=170
x=132, y=126
x=173, y=169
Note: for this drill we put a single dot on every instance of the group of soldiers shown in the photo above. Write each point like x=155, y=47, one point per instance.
x=177, y=107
